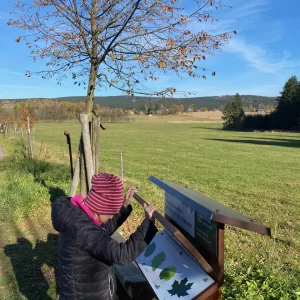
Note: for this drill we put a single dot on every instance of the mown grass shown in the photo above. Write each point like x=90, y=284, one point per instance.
x=255, y=173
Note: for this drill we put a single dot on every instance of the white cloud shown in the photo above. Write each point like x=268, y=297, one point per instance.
x=235, y=16
x=260, y=59
x=8, y=72
x=248, y=18
x=251, y=9
x=16, y=86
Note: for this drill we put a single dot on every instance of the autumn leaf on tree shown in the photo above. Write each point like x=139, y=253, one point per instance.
x=170, y=42
x=117, y=44
x=180, y=289
x=112, y=57
x=150, y=249
x=158, y=260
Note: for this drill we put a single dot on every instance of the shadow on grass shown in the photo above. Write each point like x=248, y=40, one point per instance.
x=280, y=143
x=55, y=193
x=25, y=238
x=27, y=262
x=209, y=128
x=276, y=139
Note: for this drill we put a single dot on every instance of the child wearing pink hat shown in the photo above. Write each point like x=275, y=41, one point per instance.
x=86, y=250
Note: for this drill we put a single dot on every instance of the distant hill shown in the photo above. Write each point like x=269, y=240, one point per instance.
x=130, y=102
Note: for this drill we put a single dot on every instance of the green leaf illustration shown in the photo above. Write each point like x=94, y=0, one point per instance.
x=158, y=260
x=150, y=249
x=180, y=289
x=167, y=273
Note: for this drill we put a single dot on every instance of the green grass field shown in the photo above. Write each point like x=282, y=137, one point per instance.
x=255, y=173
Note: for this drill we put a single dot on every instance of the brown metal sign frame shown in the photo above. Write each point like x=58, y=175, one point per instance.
x=214, y=211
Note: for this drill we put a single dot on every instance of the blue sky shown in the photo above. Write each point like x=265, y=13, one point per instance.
x=258, y=60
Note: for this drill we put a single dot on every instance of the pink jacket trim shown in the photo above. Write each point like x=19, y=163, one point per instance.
x=77, y=201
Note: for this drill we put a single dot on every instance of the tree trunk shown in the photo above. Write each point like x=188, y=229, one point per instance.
x=91, y=87
x=94, y=59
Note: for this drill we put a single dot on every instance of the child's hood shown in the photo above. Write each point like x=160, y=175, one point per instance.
x=62, y=213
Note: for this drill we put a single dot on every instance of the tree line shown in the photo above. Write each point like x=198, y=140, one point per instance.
x=250, y=102
x=49, y=110
x=286, y=115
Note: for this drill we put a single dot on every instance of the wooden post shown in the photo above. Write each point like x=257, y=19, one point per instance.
x=93, y=140
x=5, y=130
x=32, y=143
x=82, y=168
x=75, y=179
x=77, y=172
x=217, y=295
x=121, y=165
x=29, y=139
x=67, y=135
x=97, y=146
x=41, y=149
x=87, y=148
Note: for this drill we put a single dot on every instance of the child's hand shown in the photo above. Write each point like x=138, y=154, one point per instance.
x=149, y=210
x=128, y=196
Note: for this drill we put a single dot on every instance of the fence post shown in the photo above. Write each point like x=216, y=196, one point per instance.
x=29, y=147
x=75, y=179
x=97, y=145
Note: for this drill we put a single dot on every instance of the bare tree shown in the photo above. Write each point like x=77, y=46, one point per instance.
x=118, y=43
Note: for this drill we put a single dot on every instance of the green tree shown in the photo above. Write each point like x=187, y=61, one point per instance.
x=143, y=108
x=288, y=110
x=156, y=107
x=287, y=113
x=289, y=93
x=227, y=115
x=233, y=113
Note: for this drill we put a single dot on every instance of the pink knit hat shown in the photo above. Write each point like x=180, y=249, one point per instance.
x=106, y=194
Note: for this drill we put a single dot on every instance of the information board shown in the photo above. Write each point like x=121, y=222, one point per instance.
x=196, y=225
x=180, y=213
x=206, y=233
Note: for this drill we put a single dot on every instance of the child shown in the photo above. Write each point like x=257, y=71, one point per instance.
x=86, y=250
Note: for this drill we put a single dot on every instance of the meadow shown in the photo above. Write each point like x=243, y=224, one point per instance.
x=255, y=173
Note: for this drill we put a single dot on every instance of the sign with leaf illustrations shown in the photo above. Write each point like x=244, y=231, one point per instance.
x=170, y=270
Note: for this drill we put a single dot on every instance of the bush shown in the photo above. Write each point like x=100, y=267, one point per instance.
x=29, y=183
x=257, y=283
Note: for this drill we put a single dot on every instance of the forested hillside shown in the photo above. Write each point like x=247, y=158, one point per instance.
x=130, y=102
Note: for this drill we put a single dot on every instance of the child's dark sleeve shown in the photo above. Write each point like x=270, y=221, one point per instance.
x=109, y=250
x=118, y=219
